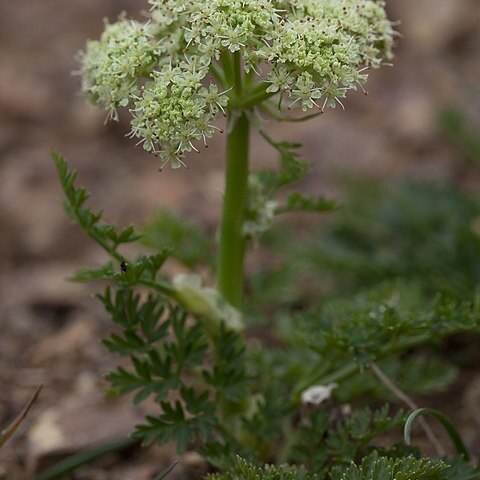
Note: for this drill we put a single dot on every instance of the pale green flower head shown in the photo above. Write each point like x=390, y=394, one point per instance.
x=192, y=60
x=112, y=66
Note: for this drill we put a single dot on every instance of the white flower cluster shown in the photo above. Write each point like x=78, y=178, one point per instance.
x=309, y=51
x=111, y=67
x=174, y=109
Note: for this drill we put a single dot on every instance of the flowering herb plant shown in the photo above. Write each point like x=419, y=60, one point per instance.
x=239, y=403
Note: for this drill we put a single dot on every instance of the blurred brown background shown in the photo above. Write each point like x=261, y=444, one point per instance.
x=48, y=327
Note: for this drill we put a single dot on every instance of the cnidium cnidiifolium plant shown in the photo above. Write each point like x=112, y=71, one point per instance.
x=240, y=403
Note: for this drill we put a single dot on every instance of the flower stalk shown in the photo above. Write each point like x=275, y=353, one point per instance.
x=232, y=240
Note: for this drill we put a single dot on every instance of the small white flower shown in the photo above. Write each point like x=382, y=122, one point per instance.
x=317, y=394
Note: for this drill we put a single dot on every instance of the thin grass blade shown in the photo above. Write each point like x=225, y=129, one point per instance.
x=6, y=434
x=444, y=421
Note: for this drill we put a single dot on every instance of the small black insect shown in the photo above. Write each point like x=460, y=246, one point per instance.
x=123, y=266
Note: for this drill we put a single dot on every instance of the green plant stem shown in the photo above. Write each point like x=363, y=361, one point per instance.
x=160, y=286
x=352, y=367
x=232, y=246
x=225, y=61
x=255, y=97
x=232, y=240
x=218, y=74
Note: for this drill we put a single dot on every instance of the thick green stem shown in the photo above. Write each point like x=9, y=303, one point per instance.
x=232, y=240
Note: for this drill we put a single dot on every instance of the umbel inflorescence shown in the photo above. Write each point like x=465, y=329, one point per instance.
x=192, y=59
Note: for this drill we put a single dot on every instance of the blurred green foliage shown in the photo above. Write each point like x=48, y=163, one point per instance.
x=421, y=234
x=186, y=241
x=461, y=133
